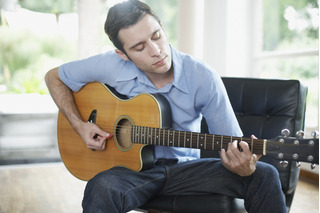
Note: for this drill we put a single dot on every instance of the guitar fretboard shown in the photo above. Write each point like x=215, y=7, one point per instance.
x=175, y=138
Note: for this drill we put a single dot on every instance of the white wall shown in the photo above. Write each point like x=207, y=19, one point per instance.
x=224, y=39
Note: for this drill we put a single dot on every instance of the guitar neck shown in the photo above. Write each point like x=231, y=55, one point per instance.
x=175, y=138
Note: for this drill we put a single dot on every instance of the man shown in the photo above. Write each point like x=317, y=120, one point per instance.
x=144, y=62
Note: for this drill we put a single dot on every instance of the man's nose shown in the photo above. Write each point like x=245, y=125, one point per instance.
x=154, y=49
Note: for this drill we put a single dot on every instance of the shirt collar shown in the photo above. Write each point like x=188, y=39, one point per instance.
x=179, y=81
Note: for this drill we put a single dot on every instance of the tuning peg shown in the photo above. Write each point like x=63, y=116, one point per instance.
x=298, y=164
x=285, y=132
x=313, y=166
x=300, y=134
x=315, y=134
x=284, y=163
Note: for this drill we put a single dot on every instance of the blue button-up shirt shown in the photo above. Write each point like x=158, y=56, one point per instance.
x=196, y=91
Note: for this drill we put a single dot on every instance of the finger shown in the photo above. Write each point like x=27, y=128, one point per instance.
x=102, y=139
x=97, y=143
x=258, y=156
x=101, y=133
x=224, y=157
x=253, y=137
x=255, y=158
x=110, y=136
x=233, y=151
x=245, y=147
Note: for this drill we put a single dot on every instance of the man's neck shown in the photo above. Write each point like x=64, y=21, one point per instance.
x=160, y=80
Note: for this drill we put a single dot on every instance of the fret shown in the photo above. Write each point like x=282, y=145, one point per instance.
x=164, y=136
x=252, y=145
x=145, y=135
x=205, y=141
x=187, y=140
x=159, y=135
x=152, y=136
x=221, y=142
x=135, y=134
x=173, y=138
x=198, y=141
x=132, y=135
x=147, y=130
x=202, y=141
x=184, y=141
x=139, y=134
x=179, y=138
x=213, y=142
x=191, y=140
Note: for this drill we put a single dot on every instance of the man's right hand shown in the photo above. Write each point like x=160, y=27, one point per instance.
x=91, y=134
x=94, y=137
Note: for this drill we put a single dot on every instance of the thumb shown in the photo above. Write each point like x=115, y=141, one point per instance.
x=103, y=134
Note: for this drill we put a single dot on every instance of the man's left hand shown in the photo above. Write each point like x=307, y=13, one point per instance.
x=242, y=162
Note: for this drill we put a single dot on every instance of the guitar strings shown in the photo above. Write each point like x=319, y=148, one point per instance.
x=220, y=141
x=225, y=139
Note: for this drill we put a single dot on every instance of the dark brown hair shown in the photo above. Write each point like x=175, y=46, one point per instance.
x=124, y=15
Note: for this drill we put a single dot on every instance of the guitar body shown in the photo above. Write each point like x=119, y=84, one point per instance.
x=112, y=113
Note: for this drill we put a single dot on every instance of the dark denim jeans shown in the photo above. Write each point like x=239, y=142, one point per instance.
x=121, y=190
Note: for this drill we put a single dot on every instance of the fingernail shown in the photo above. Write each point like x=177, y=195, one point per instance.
x=110, y=136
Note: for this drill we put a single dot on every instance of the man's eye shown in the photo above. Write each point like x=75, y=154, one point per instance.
x=156, y=36
x=139, y=48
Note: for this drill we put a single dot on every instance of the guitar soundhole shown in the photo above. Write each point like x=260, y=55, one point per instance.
x=123, y=134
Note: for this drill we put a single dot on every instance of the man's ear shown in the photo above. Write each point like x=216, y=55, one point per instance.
x=122, y=55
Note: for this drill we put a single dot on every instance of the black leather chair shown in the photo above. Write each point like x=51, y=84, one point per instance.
x=263, y=107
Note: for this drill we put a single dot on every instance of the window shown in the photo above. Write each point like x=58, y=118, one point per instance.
x=288, y=47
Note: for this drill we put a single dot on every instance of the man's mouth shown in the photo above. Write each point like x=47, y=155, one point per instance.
x=160, y=62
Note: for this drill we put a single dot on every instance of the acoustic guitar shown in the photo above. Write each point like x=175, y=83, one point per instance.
x=139, y=123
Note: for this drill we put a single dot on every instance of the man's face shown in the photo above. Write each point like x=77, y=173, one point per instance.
x=147, y=46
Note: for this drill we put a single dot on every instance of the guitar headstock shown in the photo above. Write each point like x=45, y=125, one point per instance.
x=301, y=149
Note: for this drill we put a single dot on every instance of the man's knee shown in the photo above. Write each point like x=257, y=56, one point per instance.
x=266, y=172
x=106, y=181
